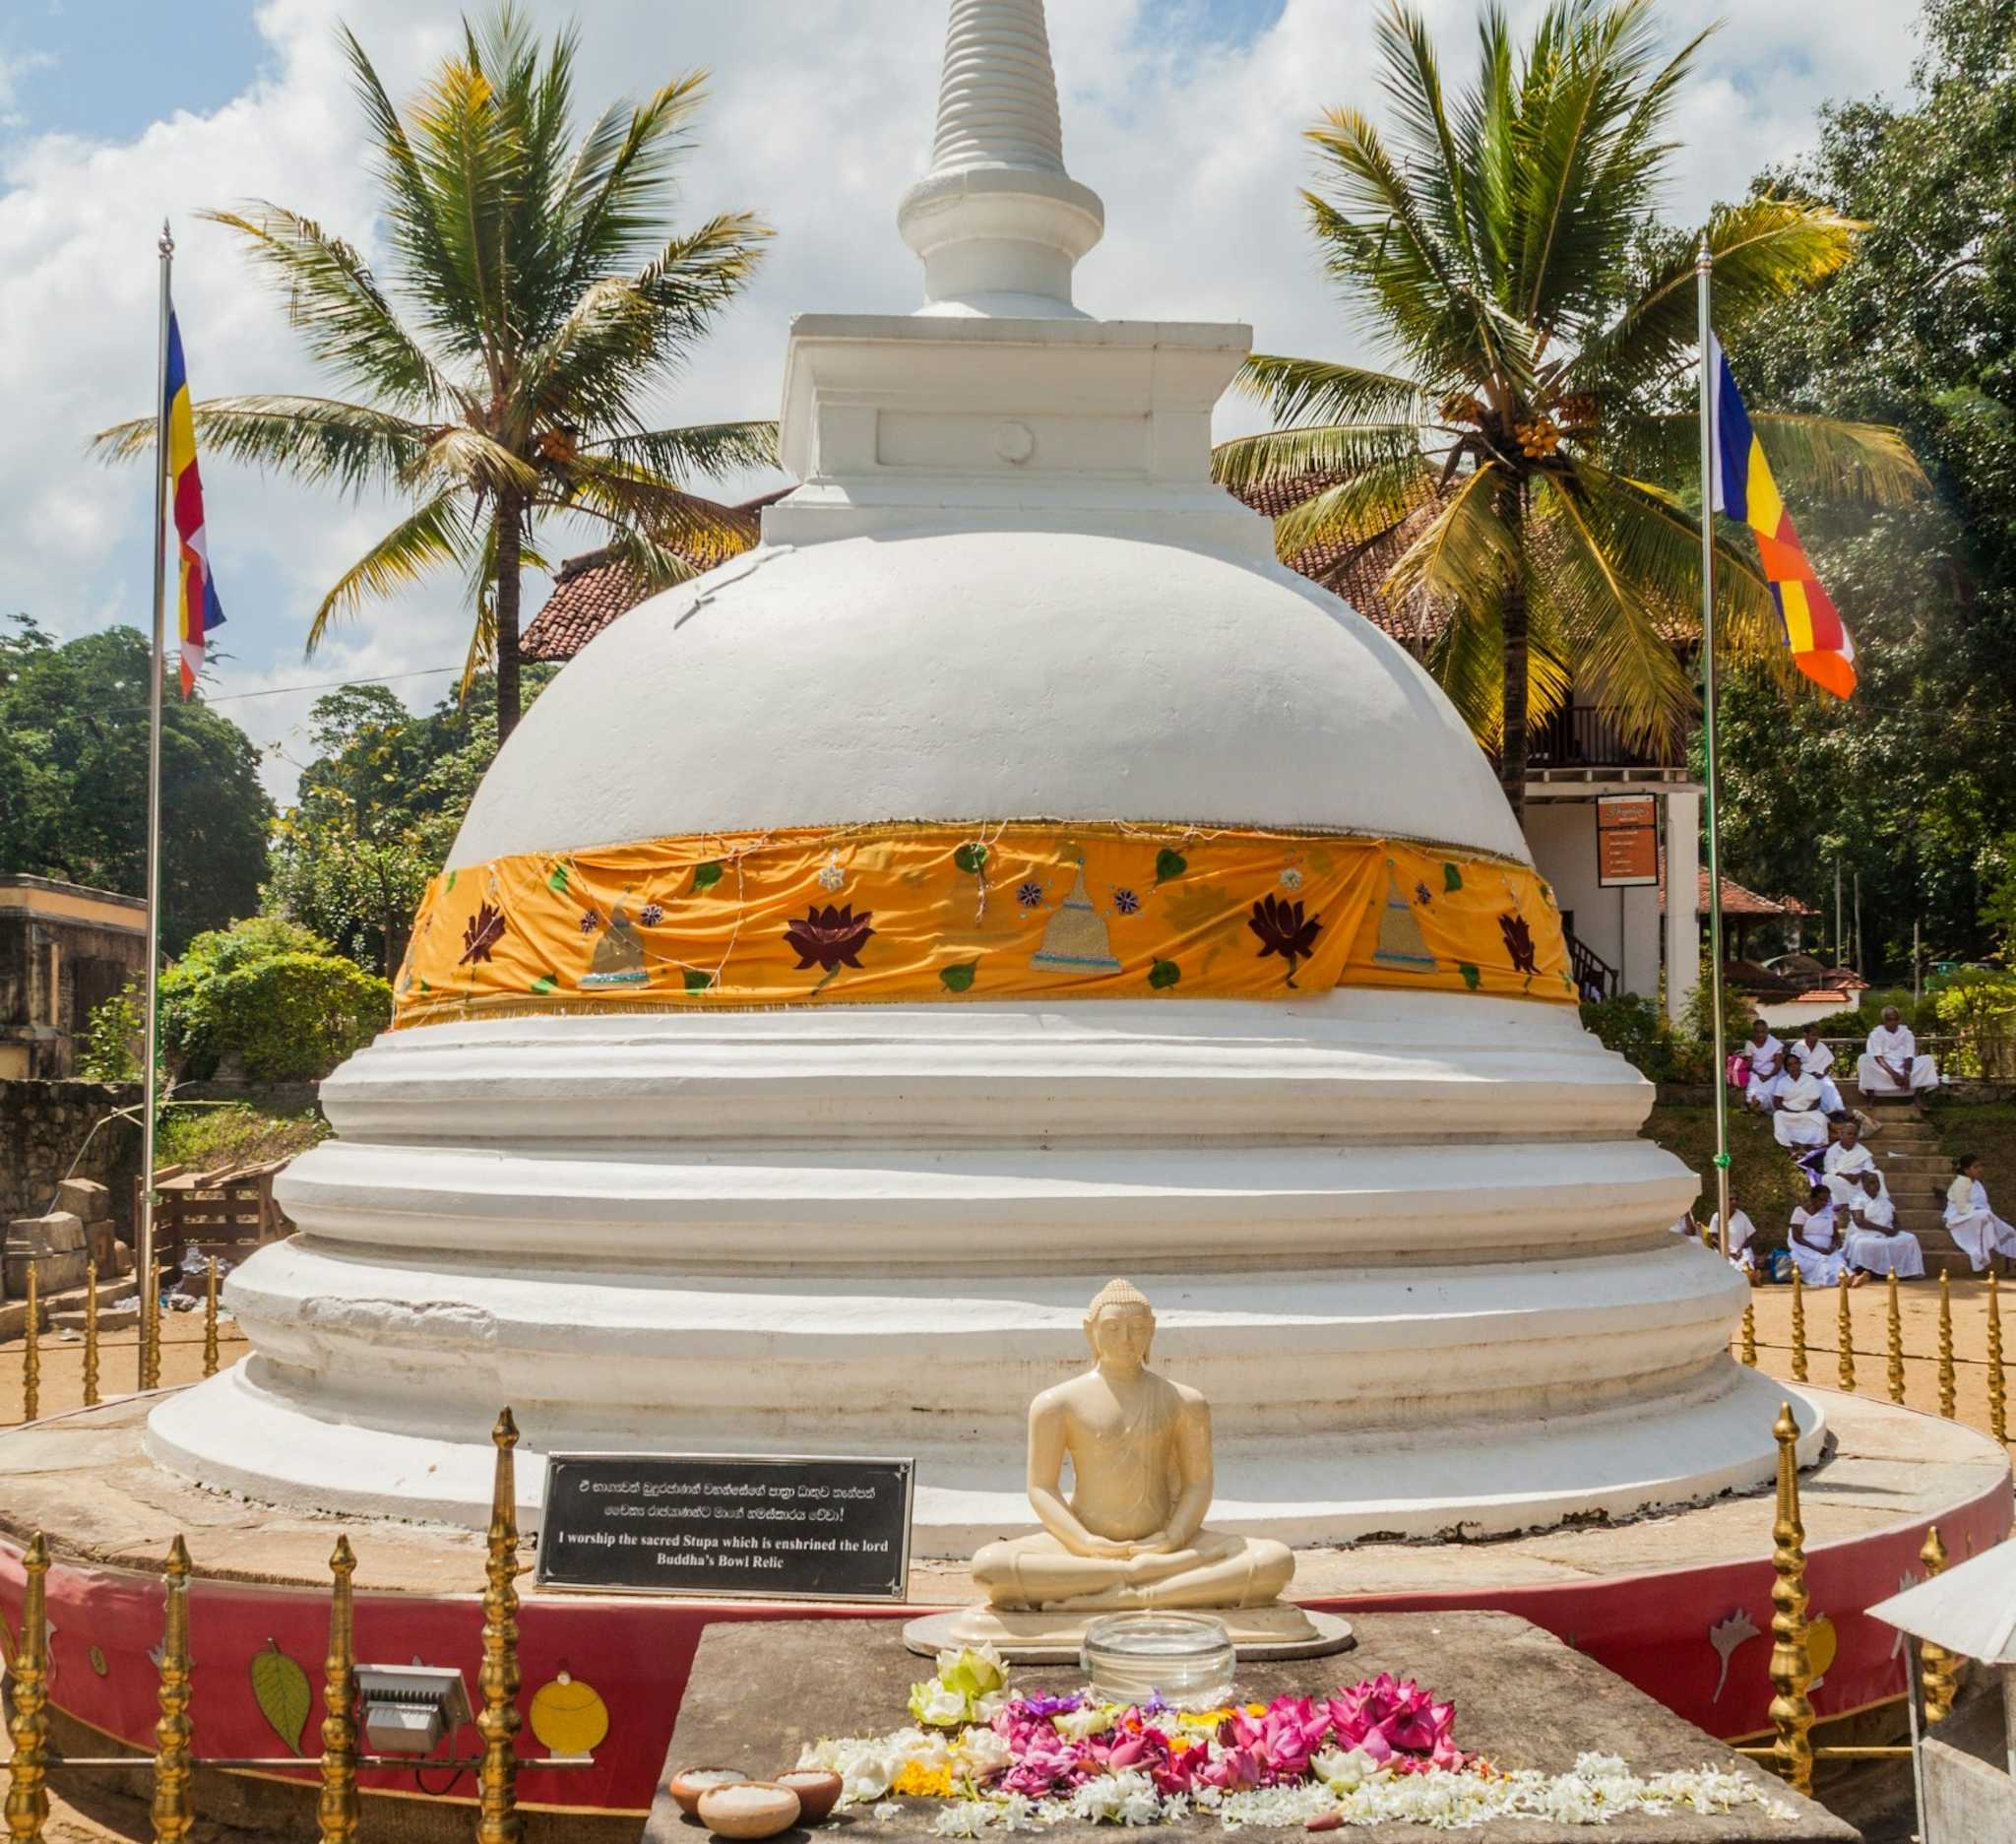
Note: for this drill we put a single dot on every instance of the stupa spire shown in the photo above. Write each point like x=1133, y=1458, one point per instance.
x=998, y=221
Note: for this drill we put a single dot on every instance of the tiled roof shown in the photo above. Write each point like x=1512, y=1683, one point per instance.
x=1736, y=900
x=590, y=592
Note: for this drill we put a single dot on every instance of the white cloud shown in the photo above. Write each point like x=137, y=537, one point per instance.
x=13, y=68
x=820, y=115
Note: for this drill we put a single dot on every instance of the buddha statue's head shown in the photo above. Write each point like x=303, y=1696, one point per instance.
x=1119, y=1325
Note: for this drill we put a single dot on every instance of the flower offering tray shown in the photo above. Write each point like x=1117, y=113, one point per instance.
x=761, y=1692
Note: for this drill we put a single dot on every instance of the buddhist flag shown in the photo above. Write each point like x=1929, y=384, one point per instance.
x=200, y=607
x=1744, y=489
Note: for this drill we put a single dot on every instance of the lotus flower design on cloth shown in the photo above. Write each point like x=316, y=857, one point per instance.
x=479, y=939
x=1283, y=930
x=830, y=938
x=1519, y=942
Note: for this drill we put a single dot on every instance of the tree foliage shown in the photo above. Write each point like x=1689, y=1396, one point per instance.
x=271, y=996
x=1908, y=784
x=73, y=779
x=537, y=299
x=379, y=808
x=1500, y=243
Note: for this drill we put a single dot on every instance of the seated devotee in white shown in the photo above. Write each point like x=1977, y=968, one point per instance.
x=1975, y=1227
x=1684, y=1225
x=1767, y=1063
x=1845, y=1162
x=1796, y=1116
x=1891, y=1066
x=1741, y=1234
x=1876, y=1245
x=1817, y=1060
x=1815, y=1243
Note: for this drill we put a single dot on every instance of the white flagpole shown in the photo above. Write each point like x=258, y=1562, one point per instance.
x=143, y=1253
x=1704, y=270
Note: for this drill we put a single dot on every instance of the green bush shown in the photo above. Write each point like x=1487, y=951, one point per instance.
x=203, y=1134
x=1977, y=1016
x=1636, y=1028
x=274, y=995
x=115, y=1038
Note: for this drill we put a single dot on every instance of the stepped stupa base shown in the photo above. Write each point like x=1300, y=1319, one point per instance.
x=1678, y=1603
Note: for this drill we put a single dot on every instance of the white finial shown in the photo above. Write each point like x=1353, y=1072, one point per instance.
x=999, y=223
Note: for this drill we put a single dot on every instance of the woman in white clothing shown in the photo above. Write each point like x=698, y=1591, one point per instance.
x=1845, y=1162
x=1799, y=1118
x=1876, y=1245
x=1976, y=1227
x=1767, y=1064
x=1741, y=1232
x=1815, y=1243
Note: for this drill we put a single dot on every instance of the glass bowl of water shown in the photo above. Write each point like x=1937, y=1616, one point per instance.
x=1186, y=1660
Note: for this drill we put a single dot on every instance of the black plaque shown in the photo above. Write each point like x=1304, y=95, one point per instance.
x=775, y=1527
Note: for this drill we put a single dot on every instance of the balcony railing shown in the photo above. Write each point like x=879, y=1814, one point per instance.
x=1585, y=736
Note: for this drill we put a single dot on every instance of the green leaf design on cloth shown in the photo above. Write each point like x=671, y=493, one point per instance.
x=280, y=1688
x=1452, y=878
x=972, y=859
x=1471, y=976
x=958, y=978
x=706, y=876
x=1163, y=974
x=698, y=982
x=559, y=879
x=1169, y=863
x=546, y=982
x=452, y=876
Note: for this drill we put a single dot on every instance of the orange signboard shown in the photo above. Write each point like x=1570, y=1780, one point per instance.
x=1626, y=840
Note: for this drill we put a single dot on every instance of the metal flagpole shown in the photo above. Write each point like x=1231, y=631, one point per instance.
x=144, y=1254
x=1704, y=270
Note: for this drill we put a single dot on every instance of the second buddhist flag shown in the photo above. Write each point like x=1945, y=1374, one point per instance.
x=1744, y=489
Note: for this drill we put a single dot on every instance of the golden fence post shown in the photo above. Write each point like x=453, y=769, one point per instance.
x=1998, y=1389
x=1798, y=1328
x=210, y=1322
x=1947, y=1386
x=27, y=1798
x=337, y=1812
x=1895, y=1315
x=174, y=1808
x=1845, y=1337
x=1792, y=1715
x=1751, y=1333
x=31, y=1352
x=91, y=1335
x=1935, y=1662
x=151, y=1329
x=497, y=1820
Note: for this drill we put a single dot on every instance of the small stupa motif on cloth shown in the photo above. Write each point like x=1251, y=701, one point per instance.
x=618, y=958
x=1076, y=939
x=1401, y=942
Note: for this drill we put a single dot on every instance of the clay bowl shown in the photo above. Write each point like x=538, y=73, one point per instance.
x=687, y=1785
x=818, y=1792
x=748, y=1809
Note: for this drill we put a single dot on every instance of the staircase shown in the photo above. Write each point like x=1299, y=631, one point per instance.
x=1907, y=1150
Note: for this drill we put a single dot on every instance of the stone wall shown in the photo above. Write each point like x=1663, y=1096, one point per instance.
x=42, y=1126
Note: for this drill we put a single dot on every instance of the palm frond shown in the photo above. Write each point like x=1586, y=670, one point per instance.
x=713, y=450
x=1820, y=457
x=630, y=499
x=1465, y=553
x=471, y=459
x=1312, y=390
x=1414, y=85
x=619, y=185
x=1355, y=511
x=1765, y=251
x=432, y=537
x=1601, y=572
x=334, y=300
x=1250, y=461
x=308, y=438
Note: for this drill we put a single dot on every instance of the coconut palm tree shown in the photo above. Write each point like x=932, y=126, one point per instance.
x=1529, y=465
x=537, y=297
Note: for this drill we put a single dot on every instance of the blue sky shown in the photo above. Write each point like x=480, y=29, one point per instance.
x=1185, y=114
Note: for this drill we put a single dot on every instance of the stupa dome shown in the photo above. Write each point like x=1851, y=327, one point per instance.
x=974, y=674
x=1004, y=875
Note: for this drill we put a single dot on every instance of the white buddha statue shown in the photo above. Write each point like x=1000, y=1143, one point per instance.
x=1131, y=1534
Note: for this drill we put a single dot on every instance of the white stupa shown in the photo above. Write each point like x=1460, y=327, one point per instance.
x=1406, y=1241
